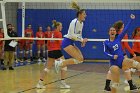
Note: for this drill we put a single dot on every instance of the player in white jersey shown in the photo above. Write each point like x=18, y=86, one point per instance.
x=74, y=34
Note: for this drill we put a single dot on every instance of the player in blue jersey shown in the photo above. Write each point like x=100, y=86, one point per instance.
x=113, y=49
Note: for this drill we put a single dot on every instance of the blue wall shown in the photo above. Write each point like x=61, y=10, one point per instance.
x=100, y=20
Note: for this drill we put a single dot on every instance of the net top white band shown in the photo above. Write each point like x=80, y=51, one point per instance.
x=96, y=40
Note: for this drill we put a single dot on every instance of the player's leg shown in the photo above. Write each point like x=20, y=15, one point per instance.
x=38, y=52
x=127, y=64
x=108, y=80
x=44, y=52
x=31, y=51
x=1, y=57
x=21, y=52
x=115, y=74
x=63, y=83
x=76, y=55
x=44, y=72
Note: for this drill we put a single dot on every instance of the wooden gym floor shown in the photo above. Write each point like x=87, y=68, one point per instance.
x=83, y=78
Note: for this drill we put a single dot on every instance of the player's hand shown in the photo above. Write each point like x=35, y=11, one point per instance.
x=115, y=56
x=132, y=16
x=134, y=56
x=85, y=40
x=83, y=43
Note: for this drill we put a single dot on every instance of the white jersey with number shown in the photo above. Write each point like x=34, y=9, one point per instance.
x=75, y=30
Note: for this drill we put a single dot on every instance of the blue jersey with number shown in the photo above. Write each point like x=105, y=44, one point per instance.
x=112, y=48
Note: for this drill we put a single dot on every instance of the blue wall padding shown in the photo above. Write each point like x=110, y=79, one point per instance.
x=100, y=20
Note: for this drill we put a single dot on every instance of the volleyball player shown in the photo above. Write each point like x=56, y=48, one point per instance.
x=74, y=34
x=21, y=45
x=1, y=48
x=54, y=53
x=113, y=49
x=136, y=45
x=119, y=26
x=40, y=44
x=29, y=43
x=47, y=34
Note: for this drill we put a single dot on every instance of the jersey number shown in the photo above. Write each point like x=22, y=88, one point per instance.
x=115, y=47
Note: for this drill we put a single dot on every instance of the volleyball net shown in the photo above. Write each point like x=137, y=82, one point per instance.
x=101, y=14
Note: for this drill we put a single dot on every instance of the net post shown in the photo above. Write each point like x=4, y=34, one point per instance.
x=4, y=19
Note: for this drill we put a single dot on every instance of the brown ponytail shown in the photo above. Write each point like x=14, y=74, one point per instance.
x=75, y=6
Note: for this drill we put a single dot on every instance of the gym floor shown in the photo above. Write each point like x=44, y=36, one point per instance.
x=83, y=78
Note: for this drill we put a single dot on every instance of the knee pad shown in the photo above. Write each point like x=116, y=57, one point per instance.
x=44, y=51
x=30, y=51
x=77, y=61
x=64, y=68
x=46, y=70
x=115, y=85
x=133, y=70
x=38, y=52
x=27, y=52
x=21, y=52
x=128, y=70
x=135, y=63
x=109, y=72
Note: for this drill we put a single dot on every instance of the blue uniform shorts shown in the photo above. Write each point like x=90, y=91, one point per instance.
x=118, y=62
x=66, y=42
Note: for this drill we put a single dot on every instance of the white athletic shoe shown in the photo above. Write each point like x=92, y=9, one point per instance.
x=57, y=65
x=16, y=60
x=39, y=60
x=40, y=85
x=44, y=60
x=126, y=82
x=64, y=85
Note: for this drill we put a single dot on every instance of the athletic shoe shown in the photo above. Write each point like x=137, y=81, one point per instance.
x=16, y=60
x=25, y=59
x=126, y=82
x=39, y=60
x=3, y=67
x=11, y=68
x=57, y=65
x=31, y=59
x=64, y=85
x=40, y=85
x=44, y=60
x=134, y=88
x=107, y=89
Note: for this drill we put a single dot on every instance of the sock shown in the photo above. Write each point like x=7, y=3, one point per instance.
x=107, y=84
x=62, y=79
x=41, y=79
x=130, y=82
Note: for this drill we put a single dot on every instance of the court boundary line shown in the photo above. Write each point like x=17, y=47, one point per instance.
x=54, y=81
